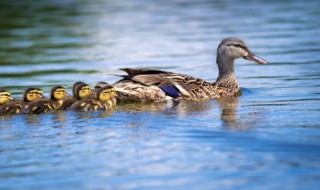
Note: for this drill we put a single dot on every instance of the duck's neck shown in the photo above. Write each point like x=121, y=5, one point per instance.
x=226, y=77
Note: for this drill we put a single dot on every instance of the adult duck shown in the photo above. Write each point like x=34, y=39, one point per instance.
x=156, y=85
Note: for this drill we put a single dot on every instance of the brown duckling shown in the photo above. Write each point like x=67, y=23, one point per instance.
x=7, y=106
x=80, y=91
x=74, y=87
x=57, y=95
x=31, y=95
x=101, y=84
x=105, y=99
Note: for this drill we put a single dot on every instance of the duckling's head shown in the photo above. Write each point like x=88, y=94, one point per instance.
x=5, y=96
x=99, y=85
x=32, y=94
x=58, y=93
x=82, y=91
x=75, y=86
x=106, y=93
x=233, y=48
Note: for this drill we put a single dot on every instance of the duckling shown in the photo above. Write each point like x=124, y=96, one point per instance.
x=107, y=96
x=31, y=95
x=105, y=99
x=81, y=91
x=58, y=93
x=74, y=87
x=101, y=84
x=77, y=95
x=7, y=106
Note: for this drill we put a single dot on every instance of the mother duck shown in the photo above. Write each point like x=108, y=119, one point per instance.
x=156, y=85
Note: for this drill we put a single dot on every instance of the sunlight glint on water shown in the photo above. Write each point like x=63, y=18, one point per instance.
x=268, y=138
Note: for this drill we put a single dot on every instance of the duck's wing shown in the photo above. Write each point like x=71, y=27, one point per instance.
x=191, y=88
x=131, y=71
x=173, y=84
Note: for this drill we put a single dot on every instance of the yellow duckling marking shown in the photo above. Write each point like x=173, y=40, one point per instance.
x=107, y=94
x=59, y=93
x=34, y=95
x=4, y=97
x=85, y=91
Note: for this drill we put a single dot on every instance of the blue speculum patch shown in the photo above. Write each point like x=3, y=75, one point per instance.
x=170, y=90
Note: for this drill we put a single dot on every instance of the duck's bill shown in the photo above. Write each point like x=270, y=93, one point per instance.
x=254, y=58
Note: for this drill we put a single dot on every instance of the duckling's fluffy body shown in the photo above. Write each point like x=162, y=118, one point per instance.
x=104, y=100
x=19, y=106
x=80, y=91
x=7, y=105
x=58, y=93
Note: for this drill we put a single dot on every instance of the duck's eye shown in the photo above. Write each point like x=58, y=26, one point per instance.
x=237, y=45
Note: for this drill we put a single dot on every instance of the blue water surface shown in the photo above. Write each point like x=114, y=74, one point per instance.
x=268, y=138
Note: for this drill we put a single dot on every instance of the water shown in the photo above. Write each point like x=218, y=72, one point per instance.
x=268, y=138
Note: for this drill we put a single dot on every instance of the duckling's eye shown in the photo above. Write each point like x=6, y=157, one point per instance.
x=5, y=94
x=36, y=92
x=86, y=88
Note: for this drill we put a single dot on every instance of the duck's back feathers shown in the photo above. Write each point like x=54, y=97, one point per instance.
x=128, y=90
x=155, y=85
x=131, y=71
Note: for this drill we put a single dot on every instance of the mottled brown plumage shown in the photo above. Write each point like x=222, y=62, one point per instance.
x=7, y=105
x=67, y=102
x=105, y=99
x=156, y=85
x=58, y=93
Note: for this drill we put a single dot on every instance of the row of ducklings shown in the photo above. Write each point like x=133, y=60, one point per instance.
x=103, y=97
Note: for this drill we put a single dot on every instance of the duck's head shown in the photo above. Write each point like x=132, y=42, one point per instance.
x=82, y=91
x=106, y=93
x=75, y=86
x=58, y=93
x=32, y=94
x=233, y=48
x=101, y=84
x=5, y=96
